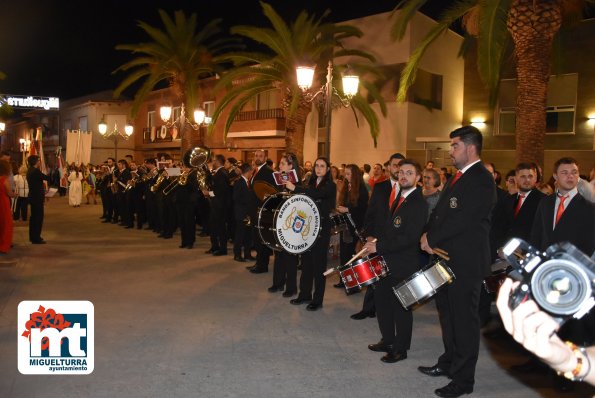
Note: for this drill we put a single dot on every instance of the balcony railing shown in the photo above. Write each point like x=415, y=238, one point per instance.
x=276, y=113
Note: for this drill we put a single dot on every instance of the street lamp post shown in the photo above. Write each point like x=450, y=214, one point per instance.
x=2, y=127
x=305, y=75
x=115, y=134
x=181, y=122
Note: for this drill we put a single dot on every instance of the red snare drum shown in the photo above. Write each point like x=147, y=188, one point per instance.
x=363, y=272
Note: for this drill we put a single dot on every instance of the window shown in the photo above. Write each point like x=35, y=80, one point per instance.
x=176, y=111
x=151, y=119
x=560, y=111
x=426, y=90
x=83, y=123
x=209, y=108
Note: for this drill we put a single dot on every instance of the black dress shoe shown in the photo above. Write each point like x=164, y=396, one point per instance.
x=106, y=221
x=39, y=242
x=313, y=307
x=128, y=227
x=239, y=259
x=453, y=390
x=379, y=347
x=433, y=371
x=339, y=285
x=182, y=246
x=363, y=315
x=220, y=253
x=275, y=289
x=256, y=270
x=211, y=251
x=250, y=267
x=289, y=293
x=190, y=246
x=299, y=301
x=250, y=258
x=394, y=356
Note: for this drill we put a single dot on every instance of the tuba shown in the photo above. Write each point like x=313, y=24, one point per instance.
x=198, y=158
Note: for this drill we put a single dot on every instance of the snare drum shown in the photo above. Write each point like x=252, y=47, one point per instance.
x=288, y=222
x=422, y=285
x=363, y=272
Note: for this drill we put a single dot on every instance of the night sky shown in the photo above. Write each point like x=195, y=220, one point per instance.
x=66, y=48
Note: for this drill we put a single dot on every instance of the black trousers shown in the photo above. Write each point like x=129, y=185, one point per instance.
x=36, y=219
x=459, y=319
x=395, y=323
x=263, y=252
x=218, y=227
x=20, y=210
x=314, y=264
x=285, y=271
x=185, y=212
x=242, y=239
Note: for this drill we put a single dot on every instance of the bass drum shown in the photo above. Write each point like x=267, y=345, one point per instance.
x=288, y=222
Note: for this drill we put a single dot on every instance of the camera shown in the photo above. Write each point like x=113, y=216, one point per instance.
x=560, y=280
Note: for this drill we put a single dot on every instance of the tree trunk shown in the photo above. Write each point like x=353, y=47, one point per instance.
x=295, y=127
x=533, y=24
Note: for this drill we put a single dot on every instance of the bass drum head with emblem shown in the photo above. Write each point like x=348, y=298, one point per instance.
x=289, y=222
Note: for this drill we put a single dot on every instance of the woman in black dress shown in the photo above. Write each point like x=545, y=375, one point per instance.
x=285, y=265
x=353, y=199
x=323, y=191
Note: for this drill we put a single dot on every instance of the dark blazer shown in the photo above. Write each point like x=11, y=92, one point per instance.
x=325, y=196
x=520, y=226
x=35, y=179
x=576, y=225
x=241, y=199
x=460, y=223
x=377, y=208
x=358, y=210
x=399, y=234
x=221, y=189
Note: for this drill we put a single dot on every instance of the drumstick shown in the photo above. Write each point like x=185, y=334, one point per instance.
x=441, y=253
x=330, y=271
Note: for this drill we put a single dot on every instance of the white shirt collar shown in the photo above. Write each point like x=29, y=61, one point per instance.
x=464, y=169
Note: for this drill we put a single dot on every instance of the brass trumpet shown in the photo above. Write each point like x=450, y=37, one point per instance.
x=160, y=179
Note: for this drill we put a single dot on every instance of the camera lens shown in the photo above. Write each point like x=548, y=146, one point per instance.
x=560, y=287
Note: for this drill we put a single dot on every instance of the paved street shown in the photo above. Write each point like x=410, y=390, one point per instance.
x=173, y=322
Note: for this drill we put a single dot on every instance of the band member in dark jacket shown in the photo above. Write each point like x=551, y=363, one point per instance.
x=381, y=194
x=398, y=243
x=242, y=198
x=353, y=201
x=285, y=264
x=323, y=190
x=220, y=199
x=185, y=198
x=460, y=225
x=105, y=187
x=263, y=175
x=35, y=179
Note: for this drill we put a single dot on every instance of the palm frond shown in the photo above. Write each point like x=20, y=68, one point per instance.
x=405, y=10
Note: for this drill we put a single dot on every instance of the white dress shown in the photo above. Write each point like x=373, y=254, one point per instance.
x=75, y=190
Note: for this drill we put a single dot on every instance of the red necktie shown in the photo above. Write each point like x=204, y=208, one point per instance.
x=519, y=203
x=393, y=196
x=401, y=200
x=456, y=178
x=560, y=209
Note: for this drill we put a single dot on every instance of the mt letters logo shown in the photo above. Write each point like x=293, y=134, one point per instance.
x=56, y=337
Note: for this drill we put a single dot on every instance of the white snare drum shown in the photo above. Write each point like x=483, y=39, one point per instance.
x=288, y=222
x=423, y=284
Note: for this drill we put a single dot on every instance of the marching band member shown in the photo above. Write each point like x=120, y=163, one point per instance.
x=397, y=242
x=185, y=199
x=285, y=264
x=353, y=199
x=241, y=207
x=124, y=177
x=323, y=190
x=265, y=174
x=107, y=197
x=220, y=199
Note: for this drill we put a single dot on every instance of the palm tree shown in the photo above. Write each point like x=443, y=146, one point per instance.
x=530, y=25
x=307, y=39
x=179, y=55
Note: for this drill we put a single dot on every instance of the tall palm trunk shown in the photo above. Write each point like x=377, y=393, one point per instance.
x=295, y=127
x=532, y=24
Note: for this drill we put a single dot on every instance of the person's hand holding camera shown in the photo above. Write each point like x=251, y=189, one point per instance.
x=536, y=331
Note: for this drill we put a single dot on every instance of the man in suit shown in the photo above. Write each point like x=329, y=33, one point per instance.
x=460, y=225
x=262, y=174
x=242, y=198
x=404, y=219
x=220, y=199
x=374, y=221
x=35, y=179
x=107, y=197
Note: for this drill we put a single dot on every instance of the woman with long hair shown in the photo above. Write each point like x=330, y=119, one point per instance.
x=323, y=190
x=353, y=199
x=285, y=264
x=6, y=193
